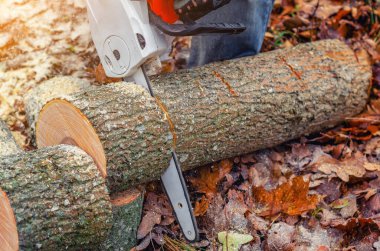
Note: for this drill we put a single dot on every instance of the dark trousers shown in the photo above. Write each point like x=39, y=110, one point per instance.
x=254, y=14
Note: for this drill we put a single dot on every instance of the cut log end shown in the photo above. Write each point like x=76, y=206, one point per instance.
x=8, y=228
x=60, y=122
x=127, y=208
x=126, y=197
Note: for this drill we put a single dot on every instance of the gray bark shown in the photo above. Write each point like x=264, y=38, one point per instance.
x=225, y=109
x=8, y=144
x=59, y=199
x=132, y=129
x=229, y=108
x=50, y=89
x=126, y=220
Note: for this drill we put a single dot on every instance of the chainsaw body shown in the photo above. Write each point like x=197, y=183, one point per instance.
x=123, y=36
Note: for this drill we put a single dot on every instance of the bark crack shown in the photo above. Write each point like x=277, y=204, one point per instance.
x=229, y=87
x=295, y=73
x=167, y=116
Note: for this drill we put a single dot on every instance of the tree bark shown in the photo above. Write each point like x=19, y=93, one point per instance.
x=58, y=198
x=8, y=144
x=120, y=125
x=126, y=210
x=50, y=89
x=215, y=111
x=234, y=107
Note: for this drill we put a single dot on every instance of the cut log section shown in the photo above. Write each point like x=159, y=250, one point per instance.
x=127, y=210
x=120, y=125
x=52, y=198
x=212, y=112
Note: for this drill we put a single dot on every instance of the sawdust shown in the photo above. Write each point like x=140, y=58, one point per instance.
x=40, y=39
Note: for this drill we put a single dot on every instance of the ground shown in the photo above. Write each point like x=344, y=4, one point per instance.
x=320, y=192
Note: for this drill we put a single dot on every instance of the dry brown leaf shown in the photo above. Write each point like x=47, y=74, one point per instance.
x=201, y=206
x=147, y=223
x=290, y=198
x=352, y=223
x=371, y=166
x=353, y=166
x=209, y=178
x=101, y=76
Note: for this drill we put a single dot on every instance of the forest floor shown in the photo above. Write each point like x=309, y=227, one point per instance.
x=321, y=192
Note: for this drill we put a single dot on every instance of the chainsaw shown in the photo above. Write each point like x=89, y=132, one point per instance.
x=129, y=33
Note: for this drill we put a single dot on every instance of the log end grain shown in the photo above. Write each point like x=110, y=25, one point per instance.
x=8, y=228
x=63, y=123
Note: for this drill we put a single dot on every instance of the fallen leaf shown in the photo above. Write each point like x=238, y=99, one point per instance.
x=201, y=206
x=258, y=223
x=330, y=189
x=215, y=216
x=147, y=223
x=232, y=241
x=209, y=178
x=235, y=211
x=290, y=198
x=317, y=238
x=340, y=203
x=347, y=206
x=101, y=77
x=280, y=236
x=354, y=223
x=355, y=166
x=371, y=166
x=377, y=245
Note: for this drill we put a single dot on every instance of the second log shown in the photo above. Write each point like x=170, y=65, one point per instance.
x=211, y=112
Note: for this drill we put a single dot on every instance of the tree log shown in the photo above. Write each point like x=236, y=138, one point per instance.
x=229, y=108
x=212, y=112
x=120, y=125
x=127, y=209
x=52, y=198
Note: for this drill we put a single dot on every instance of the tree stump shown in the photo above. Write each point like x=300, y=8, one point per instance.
x=211, y=112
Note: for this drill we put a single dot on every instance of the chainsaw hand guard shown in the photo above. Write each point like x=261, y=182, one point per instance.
x=195, y=28
x=190, y=10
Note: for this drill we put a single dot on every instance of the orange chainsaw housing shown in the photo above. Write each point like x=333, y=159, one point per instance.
x=164, y=9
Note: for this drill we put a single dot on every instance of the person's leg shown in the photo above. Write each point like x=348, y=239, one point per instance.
x=254, y=14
